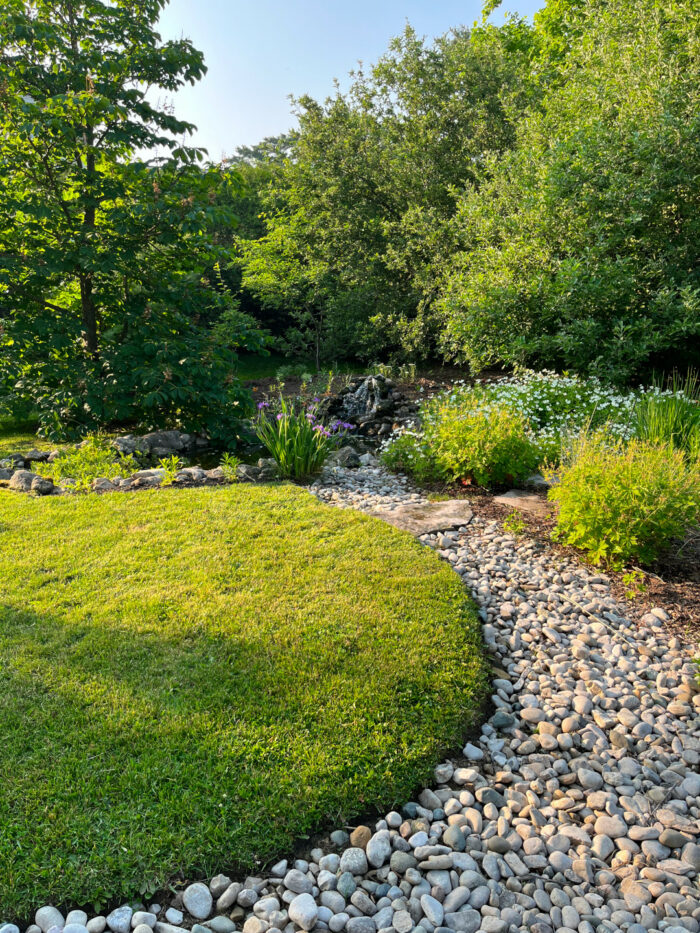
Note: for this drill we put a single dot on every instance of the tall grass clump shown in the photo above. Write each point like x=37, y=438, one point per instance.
x=625, y=502
x=296, y=439
x=672, y=417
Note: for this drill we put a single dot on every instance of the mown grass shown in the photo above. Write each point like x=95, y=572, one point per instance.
x=192, y=679
x=19, y=437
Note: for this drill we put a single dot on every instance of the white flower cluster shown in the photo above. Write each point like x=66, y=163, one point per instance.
x=558, y=408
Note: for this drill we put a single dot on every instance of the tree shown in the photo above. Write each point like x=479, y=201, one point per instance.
x=579, y=249
x=107, y=258
x=372, y=181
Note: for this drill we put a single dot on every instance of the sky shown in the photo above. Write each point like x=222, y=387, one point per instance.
x=258, y=52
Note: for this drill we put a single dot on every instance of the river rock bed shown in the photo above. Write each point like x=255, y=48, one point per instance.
x=576, y=808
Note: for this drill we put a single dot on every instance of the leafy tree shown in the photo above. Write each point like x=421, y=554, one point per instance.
x=580, y=249
x=107, y=259
x=365, y=198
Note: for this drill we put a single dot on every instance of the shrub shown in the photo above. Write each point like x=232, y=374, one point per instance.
x=410, y=453
x=490, y=445
x=621, y=503
x=296, y=439
x=94, y=458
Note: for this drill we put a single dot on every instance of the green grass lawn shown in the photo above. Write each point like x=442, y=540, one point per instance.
x=192, y=679
x=19, y=437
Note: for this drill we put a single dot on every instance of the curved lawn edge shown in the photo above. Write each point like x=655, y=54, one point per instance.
x=193, y=680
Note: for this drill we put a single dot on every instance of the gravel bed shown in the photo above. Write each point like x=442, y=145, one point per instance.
x=576, y=809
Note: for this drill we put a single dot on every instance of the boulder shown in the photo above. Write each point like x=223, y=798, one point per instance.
x=344, y=457
x=39, y=456
x=22, y=480
x=102, y=484
x=42, y=486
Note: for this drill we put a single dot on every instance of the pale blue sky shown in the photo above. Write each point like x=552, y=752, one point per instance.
x=260, y=51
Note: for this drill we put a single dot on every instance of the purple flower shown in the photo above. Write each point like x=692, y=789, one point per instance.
x=263, y=405
x=280, y=416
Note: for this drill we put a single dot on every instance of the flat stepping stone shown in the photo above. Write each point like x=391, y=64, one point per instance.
x=523, y=500
x=427, y=519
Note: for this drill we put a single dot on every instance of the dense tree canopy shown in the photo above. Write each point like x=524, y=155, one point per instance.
x=107, y=258
x=522, y=194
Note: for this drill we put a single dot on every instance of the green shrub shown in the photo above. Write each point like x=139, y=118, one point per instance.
x=295, y=438
x=410, y=453
x=622, y=503
x=93, y=459
x=490, y=445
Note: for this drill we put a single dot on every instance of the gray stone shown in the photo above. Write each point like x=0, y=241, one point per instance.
x=297, y=882
x=221, y=924
x=454, y=838
x=119, y=921
x=141, y=918
x=432, y=909
x=353, y=860
x=22, y=482
x=464, y=921
x=361, y=925
x=303, y=911
x=96, y=924
x=346, y=884
x=77, y=916
x=197, y=900
x=378, y=849
x=400, y=862
x=429, y=518
x=612, y=826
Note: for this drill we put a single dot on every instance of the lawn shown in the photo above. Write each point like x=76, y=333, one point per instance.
x=192, y=679
x=19, y=437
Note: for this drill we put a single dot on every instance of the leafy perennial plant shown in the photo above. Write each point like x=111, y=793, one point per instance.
x=296, y=438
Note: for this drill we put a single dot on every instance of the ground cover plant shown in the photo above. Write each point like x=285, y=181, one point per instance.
x=194, y=677
x=93, y=458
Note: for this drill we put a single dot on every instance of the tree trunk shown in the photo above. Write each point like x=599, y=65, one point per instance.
x=87, y=299
x=89, y=316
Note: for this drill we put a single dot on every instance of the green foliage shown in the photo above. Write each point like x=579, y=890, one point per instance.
x=491, y=446
x=625, y=502
x=295, y=438
x=518, y=195
x=229, y=466
x=108, y=263
x=170, y=466
x=356, y=220
x=672, y=418
x=411, y=453
x=514, y=523
x=92, y=459
x=294, y=371
x=578, y=249
x=272, y=665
